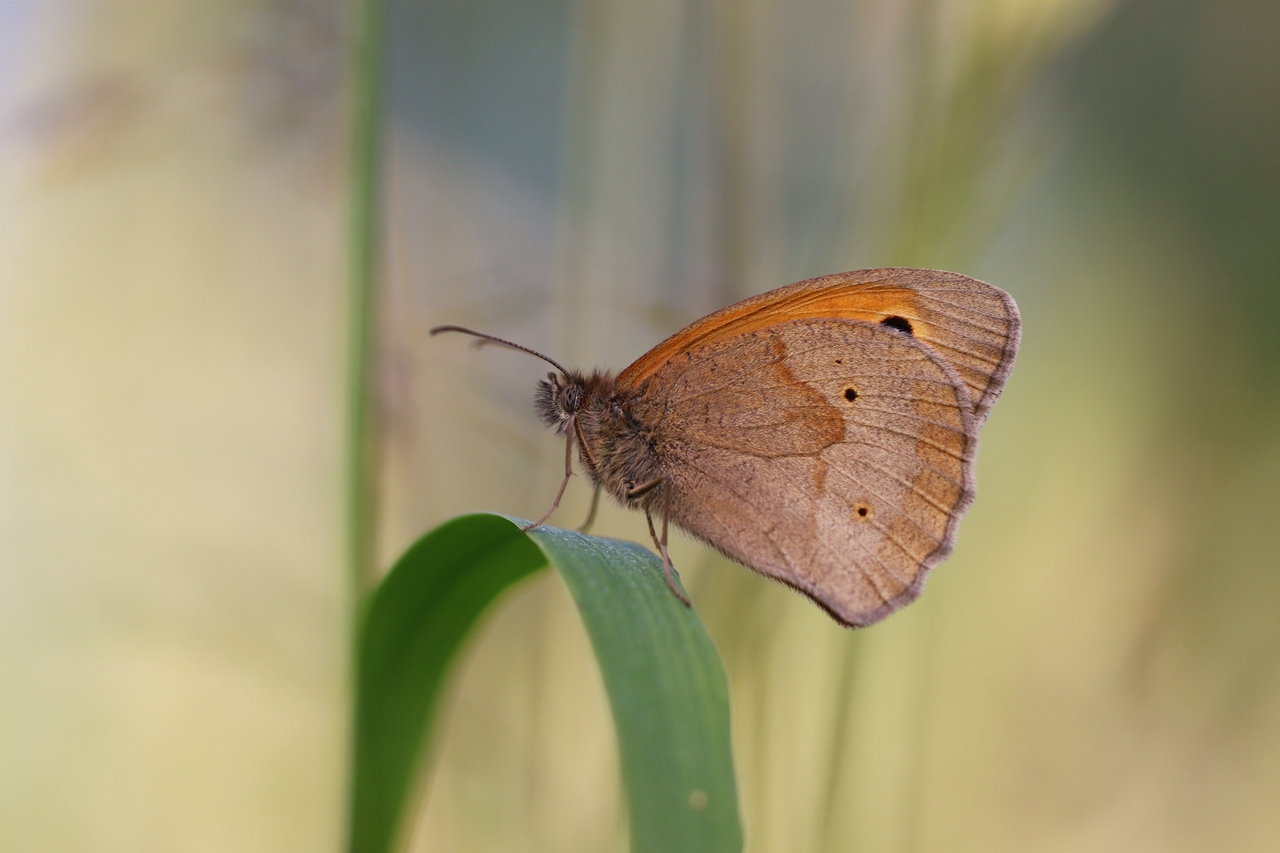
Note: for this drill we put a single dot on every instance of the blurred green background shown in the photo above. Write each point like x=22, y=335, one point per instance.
x=1096, y=668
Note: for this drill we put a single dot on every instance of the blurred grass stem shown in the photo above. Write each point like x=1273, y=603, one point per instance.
x=365, y=112
x=364, y=221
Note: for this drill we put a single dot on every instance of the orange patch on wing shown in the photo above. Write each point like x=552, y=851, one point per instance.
x=907, y=546
x=942, y=448
x=930, y=501
x=838, y=300
x=820, y=477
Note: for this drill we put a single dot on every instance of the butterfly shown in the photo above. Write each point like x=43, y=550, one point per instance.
x=822, y=434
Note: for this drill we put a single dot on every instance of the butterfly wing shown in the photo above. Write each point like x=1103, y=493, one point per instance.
x=974, y=326
x=834, y=456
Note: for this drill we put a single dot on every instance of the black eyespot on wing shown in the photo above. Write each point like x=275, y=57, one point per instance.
x=902, y=324
x=850, y=394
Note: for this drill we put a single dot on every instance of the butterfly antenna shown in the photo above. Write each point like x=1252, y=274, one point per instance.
x=493, y=340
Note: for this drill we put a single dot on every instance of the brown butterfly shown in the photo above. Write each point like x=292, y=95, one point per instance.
x=822, y=434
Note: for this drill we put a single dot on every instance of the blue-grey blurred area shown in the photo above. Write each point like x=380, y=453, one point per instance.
x=1097, y=667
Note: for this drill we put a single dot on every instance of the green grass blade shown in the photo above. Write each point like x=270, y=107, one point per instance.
x=668, y=692
x=412, y=628
x=663, y=676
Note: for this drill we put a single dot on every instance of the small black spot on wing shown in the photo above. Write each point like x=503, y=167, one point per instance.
x=850, y=394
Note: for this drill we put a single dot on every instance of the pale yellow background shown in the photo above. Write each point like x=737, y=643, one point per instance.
x=1096, y=668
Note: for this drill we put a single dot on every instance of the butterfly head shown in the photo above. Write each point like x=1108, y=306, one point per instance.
x=565, y=397
x=559, y=398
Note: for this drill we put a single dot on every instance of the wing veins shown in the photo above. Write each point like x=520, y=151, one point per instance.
x=944, y=510
x=768, y=532
x=920, y=418
x=912, y=486
x=862, y=375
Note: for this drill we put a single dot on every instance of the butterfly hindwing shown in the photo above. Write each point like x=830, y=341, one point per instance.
x=833, y=455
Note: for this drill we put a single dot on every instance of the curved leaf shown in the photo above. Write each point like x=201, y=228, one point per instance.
x=668, y=692
x=664, y=678
x=413, y=624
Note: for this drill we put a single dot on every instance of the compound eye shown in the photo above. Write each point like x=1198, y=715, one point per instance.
x=571, y=398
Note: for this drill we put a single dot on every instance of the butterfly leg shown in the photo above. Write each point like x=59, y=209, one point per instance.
x=667, y=569
x=591, y=516
x=637, y=491
x=568, y=472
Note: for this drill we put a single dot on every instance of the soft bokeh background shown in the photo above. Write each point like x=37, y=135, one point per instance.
x=1096, y=668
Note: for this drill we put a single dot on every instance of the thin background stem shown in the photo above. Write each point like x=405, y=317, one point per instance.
x=365, y=111
x=364, y=224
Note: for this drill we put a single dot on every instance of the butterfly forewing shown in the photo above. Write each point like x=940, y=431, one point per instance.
x=975, y=327
x=835, y=456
